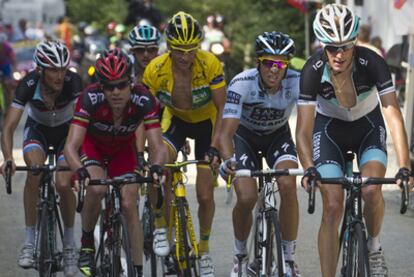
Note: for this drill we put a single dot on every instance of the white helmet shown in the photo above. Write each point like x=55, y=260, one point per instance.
x=51, y=54
x=335, y=23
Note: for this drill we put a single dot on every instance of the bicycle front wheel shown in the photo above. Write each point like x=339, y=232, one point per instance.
x=122, y=264
x=45, y=243
x=148, y=227
x=274, y=257
x=182, y=239
x=356, y=253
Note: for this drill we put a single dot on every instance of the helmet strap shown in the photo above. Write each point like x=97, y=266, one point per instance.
x=47, y=89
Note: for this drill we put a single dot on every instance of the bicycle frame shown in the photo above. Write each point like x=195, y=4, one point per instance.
x=47, y=206
x=180, y=202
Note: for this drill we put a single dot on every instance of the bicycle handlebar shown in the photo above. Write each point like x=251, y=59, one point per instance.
x=117, y=181
x=348, y=182
x=268, y=172
x=35, y=168
x=178, y=165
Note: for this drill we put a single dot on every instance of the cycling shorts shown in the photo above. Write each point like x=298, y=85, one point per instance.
x=40, y=136
x=275, y=147
x=5, y=70
x=120, y=160
x=177, y=130
x=332, y=138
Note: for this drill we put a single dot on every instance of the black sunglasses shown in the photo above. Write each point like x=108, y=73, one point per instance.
x=141, y=50
x=336, y=48
x=111, y=87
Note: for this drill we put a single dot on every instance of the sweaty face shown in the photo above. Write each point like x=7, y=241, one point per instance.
x=144, y=54
x=54, y=78
x=117, y=92
x=339, y=55
x=272, y=69
x=183, y=56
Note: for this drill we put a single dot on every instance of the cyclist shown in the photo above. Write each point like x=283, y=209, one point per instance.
x=259, y=103
x=106, y=116
x=190, y=84
x=144, y=41
x=49, y=92
x=343, y=83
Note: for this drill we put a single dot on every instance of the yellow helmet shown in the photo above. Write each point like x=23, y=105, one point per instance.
x=183, y=29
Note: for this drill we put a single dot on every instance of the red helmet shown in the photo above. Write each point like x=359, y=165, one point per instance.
x=113, y=65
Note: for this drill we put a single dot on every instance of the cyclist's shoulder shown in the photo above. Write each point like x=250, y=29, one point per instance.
x=159, y=63
x=91, y=97
x=29, y=83
x=245, y=78
x=205, y=59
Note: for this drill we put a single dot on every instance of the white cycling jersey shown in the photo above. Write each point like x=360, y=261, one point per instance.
x=259, y=111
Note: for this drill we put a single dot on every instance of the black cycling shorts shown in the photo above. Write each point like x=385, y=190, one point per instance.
x=275, y=147
x=332, y=138
x=178, y=130
x=42, y=136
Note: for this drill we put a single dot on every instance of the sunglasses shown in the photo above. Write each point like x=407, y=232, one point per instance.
x=111, y=87
x=143, y=49
x=184, y=50
x=337, y=48
x=280, y=64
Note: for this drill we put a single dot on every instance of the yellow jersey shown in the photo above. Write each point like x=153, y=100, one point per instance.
x=207, y=75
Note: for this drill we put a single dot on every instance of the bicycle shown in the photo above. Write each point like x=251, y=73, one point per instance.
x=353, y=235
x=185, y=251
x=268, y=257
x=113, y=257
x=47, y=255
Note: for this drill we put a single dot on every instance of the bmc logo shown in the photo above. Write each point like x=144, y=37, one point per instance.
x=138, y=100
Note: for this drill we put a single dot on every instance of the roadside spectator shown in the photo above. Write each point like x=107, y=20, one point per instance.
x=364, y=37
x=20, y=32
x=143, y=9
x=377, y=42
x=65, y=31
x=37, y=32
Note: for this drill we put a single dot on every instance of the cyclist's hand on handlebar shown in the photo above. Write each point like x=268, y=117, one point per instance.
x=81, y=176
x=227, y=168
x=157, y=173
x=213, y=156
x=404, y=174
x=6, y=165
x=310, y=173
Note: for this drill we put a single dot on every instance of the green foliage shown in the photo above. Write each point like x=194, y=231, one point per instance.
x=99, y=12
x=245, y=20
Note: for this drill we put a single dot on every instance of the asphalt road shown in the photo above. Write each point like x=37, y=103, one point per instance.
x=397, y=233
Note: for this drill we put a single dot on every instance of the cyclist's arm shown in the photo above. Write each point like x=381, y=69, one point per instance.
x=10, y=125
x=219, y=98
x=74, y=141
x=140, y=138
x=157, y=149
x=228, y=130
x=395, y=122
x=304, y=128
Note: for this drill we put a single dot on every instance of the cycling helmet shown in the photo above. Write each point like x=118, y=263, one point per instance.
x=336, y=23
x=183, y=29
x=274, y=43
x=112, y=65
x=51, y=54
x=144, y=35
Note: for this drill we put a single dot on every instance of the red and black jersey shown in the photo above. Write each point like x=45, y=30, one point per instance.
x=93, y=112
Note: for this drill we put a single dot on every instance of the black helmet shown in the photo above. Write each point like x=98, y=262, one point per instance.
x=274, y=43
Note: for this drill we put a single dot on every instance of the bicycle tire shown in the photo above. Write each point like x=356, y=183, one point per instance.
x=148, y=227
x=45, y=260
x=276, y=244
x=183, y=239
x=102, y=255
x=121, y=243
x=357, y=264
